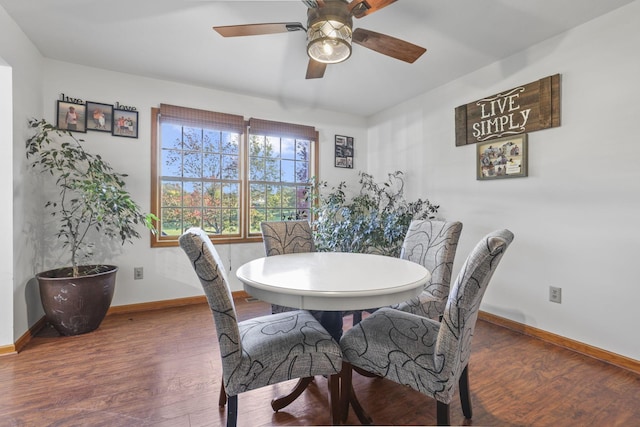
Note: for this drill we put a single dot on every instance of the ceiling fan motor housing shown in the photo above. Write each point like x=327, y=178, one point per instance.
x=329, y=32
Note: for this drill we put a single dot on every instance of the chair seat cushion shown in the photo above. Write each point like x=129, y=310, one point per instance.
x=399, y=346
x=279, y=347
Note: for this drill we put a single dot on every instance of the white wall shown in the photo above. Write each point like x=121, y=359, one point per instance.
x=576, y=216
x=6, y=215
x=20, y=98
x=167, y=274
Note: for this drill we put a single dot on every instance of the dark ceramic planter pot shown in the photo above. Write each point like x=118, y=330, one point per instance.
x=77, y=305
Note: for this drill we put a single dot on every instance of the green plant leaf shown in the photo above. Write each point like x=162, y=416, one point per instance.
x=91, y=194
x=375, y=220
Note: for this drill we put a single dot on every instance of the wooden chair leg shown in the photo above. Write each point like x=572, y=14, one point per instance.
x=362, y=415
x=365, y=373
x=222, y=399
x=442, y=413
x=348, y=397
x=284, y=401
x=345, y=390
x=334, y=398
x=232, y=411
x=465, y=396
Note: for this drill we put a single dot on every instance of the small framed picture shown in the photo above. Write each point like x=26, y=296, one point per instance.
x=99, y=116
x=344, y=152
x=125, y=123
x=72, y=117
x=502, y=158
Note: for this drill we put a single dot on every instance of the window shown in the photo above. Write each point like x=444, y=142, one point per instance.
x=279, y=172
x=227, y=175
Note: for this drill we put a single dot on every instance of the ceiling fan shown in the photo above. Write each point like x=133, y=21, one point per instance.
x=330, y=33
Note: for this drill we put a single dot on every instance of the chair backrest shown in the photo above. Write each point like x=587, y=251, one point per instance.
x=453, y=345
x=433, y=244
x=211, y=272
x=287, y=237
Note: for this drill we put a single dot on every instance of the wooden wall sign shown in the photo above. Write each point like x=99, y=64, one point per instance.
x=526, y=108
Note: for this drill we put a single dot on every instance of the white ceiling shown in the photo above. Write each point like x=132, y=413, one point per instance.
x=173, y=40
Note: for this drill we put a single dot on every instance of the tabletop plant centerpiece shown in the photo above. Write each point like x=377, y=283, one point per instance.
x=375, y=220
x=92, y=204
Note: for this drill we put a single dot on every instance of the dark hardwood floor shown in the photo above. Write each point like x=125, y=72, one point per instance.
x=161, y=368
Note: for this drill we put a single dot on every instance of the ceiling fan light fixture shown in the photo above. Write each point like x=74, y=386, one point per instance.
x=329, y=33
x=329, y=42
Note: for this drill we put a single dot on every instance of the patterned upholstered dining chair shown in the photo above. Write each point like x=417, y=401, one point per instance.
x=289, y=237
x=286, y=237
x=429, y=356
x=264, y=350
x=432, y=244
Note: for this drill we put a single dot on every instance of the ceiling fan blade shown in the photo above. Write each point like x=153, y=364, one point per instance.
x=360, y=8
x=315, y=69
x=387, y=45
x=258, y=29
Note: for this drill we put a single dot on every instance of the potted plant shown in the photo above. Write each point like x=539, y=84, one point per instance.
x=92, y=201
x=375, y=220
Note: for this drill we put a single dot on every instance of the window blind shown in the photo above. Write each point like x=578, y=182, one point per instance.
x=194, y=117
x=288, y=130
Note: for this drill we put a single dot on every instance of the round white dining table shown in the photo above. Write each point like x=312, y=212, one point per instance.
x=332, y=281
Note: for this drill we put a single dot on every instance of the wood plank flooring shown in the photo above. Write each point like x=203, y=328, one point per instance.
x=161, y=368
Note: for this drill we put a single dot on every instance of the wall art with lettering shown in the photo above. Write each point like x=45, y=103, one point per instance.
x=523, y=109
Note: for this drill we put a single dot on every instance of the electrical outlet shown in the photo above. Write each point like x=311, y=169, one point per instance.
x=138, y=273
x=555, y=294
